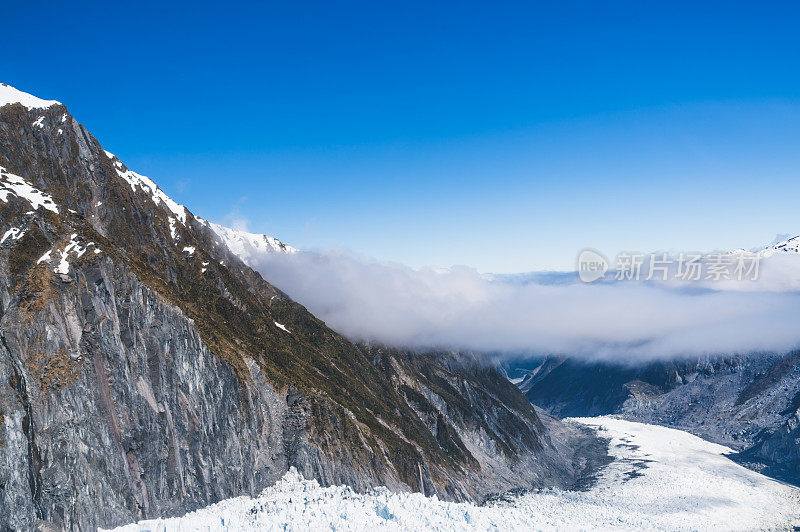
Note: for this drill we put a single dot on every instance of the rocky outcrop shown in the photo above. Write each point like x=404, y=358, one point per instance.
x=146, y=371
x=776, y=450
x=125, y=412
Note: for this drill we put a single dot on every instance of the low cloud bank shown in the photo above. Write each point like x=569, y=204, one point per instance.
x=459, y=308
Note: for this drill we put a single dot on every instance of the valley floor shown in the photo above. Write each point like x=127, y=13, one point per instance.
x=660, y=478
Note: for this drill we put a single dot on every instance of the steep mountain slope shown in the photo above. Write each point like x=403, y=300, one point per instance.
x=751, y=403
x=145, y=370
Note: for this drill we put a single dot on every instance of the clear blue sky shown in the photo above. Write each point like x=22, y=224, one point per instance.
x=500, y=135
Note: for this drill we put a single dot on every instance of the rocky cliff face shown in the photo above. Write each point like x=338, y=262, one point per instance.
x=145, y=370
x=750, y=403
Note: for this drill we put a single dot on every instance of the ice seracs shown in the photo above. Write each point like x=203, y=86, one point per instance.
x=9, y=95
x=660, y=479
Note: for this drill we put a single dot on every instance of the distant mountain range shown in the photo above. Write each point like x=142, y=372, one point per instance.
x=750, y=403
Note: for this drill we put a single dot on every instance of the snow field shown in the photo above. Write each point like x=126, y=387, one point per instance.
x=661, y=479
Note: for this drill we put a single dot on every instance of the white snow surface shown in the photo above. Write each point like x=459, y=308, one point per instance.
x=248, y=246
x=14, y=184
x=685, y=483
x=282, y=327
x=10, y=95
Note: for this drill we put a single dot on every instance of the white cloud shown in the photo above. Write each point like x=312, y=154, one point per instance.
x=461, y=309
x=235, y=219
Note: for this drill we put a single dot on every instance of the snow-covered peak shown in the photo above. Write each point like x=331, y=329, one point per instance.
x=791, y=245
x=9, y=95
x=248, y=246
x=242, y=244
x=779, y=246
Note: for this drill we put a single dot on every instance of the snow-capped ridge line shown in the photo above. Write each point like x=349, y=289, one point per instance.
x=790, y=245
x=10, y=95
x=139, y=182
x=247, y=246
x=244, y=245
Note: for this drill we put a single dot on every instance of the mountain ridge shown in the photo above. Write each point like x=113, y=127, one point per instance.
x=146, y=370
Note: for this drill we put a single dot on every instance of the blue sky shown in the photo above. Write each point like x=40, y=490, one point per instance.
x=504, y=137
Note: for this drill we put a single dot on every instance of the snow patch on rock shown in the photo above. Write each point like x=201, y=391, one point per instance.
x=15, y=233
x=74, y=249
x=14, y=184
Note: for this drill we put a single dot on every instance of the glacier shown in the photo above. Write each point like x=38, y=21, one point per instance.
x=660, y=478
